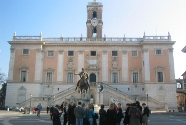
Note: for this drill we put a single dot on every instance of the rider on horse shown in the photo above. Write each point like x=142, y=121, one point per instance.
x=81, y=74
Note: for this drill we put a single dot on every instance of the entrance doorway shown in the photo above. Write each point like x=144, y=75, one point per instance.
x=92, y=77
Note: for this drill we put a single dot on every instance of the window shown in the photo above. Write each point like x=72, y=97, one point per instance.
x=94, y=34
x=94, y=14
x=49, y=77
x=128, y=89
x=50, y=53
x=114, y=53
x=115, y=77
x=179, y=85
x=70, y=53
x=160, y=76
x=23, y=76
x=93, y=53
x=158, y=52
x=134, y=53
x=135, y=77
x=70, y=78
x=25, y=51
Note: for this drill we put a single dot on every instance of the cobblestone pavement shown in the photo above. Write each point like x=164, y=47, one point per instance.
x=17, y=118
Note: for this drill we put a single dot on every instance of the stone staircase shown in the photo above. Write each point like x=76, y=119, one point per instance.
x=70, y=95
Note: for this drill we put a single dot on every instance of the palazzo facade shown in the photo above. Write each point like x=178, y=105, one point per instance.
x=137, y=67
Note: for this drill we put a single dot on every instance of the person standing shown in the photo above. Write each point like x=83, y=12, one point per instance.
x=145, y=114
x=102, y=113
x=111, y=115
x=56, y=116
x=119, y=114
x=71, y=116
x=140, y=108
x=127, y=117
x=79, y=113
x=51, y=111
x=90, y=113
x=65, y=110
x=48, y=109
x=39, y=107
x=132, y=112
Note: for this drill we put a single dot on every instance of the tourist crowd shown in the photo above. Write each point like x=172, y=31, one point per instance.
x=79, y=115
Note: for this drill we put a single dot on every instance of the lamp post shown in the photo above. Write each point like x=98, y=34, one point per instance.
x=30, y=102
x=147, y=99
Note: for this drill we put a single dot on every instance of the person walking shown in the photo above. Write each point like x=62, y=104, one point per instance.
x=79, y=113
x=134, y=120
x=90, y=113
x=127, y=117
x=102, y=113
x=111, y=115
x=39, y=107
x=145, y=114
x=119, y=114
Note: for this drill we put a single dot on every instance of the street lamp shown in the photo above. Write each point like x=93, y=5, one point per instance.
x=147, y=99
x=30, y=102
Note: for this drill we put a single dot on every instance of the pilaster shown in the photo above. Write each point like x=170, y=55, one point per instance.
x=60, y=66
x=105, y=66
x=124, y=66
x=171, y=65
x=11, y=65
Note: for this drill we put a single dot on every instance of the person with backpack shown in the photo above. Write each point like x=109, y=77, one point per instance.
x=145, y=114
x=119, y=114
x=127, y=117
x=134, y=114
x=56, y=116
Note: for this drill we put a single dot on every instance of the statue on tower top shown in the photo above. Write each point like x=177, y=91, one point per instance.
x=94, y=0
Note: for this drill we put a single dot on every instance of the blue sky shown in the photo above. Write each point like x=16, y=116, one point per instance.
x=68, y=17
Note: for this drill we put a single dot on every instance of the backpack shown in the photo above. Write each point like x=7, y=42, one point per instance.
x=137, y=114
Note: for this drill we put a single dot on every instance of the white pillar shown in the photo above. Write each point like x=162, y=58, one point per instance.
x=38, y=66
x=124, y=66
x=11, y=64
x=105, y=66
x=146, y=65
x=60, y=67
x=171, y=65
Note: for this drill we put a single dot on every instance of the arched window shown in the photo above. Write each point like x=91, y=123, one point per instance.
x=94, y=34
x=94, y=14
x=92, y=77
x=179, y=86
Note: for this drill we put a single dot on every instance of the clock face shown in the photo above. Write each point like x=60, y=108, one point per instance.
x=94, y=22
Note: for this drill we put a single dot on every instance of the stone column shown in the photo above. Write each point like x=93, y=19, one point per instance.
x=11, y=64
x=171, y=65
x=124, y=66
x=104, y=66
x=38, y=65
x=60, y=67
x=146, y=65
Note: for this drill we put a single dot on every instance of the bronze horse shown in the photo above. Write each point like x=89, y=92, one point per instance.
x=83, y=85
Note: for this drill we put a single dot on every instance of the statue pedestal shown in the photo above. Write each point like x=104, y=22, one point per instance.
x=84, y=100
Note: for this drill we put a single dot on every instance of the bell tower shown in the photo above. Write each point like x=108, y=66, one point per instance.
x=94, y=20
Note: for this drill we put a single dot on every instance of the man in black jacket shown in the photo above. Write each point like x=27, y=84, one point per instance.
x=145, y=114
x=79, y=112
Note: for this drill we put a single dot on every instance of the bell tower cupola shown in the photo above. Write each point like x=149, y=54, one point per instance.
x=94, y=20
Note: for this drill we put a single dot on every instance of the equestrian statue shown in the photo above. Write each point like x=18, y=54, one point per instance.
x=83, y=84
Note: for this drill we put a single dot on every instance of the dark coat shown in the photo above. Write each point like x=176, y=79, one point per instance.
x=133, y=119
x=111, y=117
x=127, y=117
x=56, y=119
x=65, y=118
x=102, y=119
x=118, y=115
x=71, y=116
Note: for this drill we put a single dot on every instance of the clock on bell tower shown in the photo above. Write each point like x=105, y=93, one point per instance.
x=94, y=20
